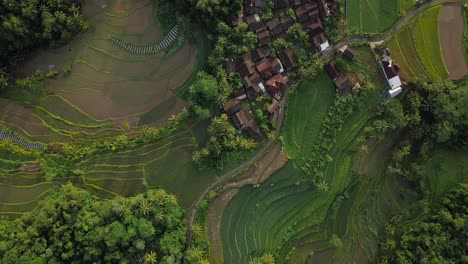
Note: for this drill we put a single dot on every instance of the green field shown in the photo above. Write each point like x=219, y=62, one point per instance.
x=306, y=108
x=416, y=47
x=374, y=16
x=292, y=220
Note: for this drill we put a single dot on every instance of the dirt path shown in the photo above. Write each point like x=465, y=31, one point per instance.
x=271, y=162
x=390, y=31
x=451, y=26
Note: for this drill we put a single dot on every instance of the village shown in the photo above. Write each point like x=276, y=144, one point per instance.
x=265, y=71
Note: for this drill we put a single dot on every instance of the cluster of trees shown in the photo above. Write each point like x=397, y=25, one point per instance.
x=73, y=226
x=25, y=25
x=318, y=159
x=432, y=113
x=224, y=139
x=439, y=238
x=264, y=259
x=208, y=91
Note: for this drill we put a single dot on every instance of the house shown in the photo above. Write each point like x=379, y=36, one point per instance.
x=260, y=53
x=301, y=14
x=276, y=85
x=276, y=65
x=295, y=2
x=232, y=106
x=234, y=20
x=240, y=118
x=349, y=53
x=263, y=37
x=245, y=65
x=264, y=68
x=229, y=66
x=254, y=22
x=254, y=86
x=391, y=74
x=254, y=6
x=323, y=9
x=330, y=68
x=286, y=21
x=239, y=94
x=288, y=59
x=281, y=35
x=346, y=82
x=274, y=26
x=314, y=26
x=394, y=92
x=281, y=4
x=321, y=42
x=273, y=106
x=252, y=129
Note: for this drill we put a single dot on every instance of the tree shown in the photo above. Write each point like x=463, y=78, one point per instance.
x=73, y=226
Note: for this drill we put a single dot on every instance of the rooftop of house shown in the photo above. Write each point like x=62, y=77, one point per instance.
x=346, y=81
x=276, y=84
x=331, y=69
x=287, y=58
x=240, y=118
x=232, y=106
x=350, y=53
x=274, y=26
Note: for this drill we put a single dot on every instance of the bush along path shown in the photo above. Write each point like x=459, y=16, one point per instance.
x=7, y=135
x=169, y=39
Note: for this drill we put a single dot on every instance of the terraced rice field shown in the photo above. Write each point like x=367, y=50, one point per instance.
x=306, y=108
x=109, y=91
x=108, y=82
x=294, y=221
x=416, y=48
x=373, y=16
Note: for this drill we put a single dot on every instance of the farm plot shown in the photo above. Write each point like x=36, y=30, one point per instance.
x=371, y=16
x=403, y=52
x=166, y=163
x=417, y=47
x=425, y=32
x=451, y=27
x=306, y=108
x=108, y=82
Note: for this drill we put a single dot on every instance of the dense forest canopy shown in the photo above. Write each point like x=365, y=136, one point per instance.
x=28, y=24
x=73, y=226
x=440, y=238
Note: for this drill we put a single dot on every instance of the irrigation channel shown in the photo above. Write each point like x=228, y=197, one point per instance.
x=325, y=54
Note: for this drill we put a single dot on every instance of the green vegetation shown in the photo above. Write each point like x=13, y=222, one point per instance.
x=71, y=225
x=222, y=142
x=371, y=16
x=465, y=32
x=417, y=48
x=306, y=108
x=439, y=237
x=28, y=25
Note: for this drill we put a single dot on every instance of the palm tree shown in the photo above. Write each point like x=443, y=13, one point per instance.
x=145, y=206
x=150, y=258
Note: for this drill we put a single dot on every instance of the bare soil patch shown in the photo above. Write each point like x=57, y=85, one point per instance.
x=258, y=173
x=451, y=26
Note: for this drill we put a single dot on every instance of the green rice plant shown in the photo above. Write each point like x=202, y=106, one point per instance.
x=425, y=33
x=305, y=111
x=403, y=52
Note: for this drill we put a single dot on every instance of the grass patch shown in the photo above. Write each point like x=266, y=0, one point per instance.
x=371, y=16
